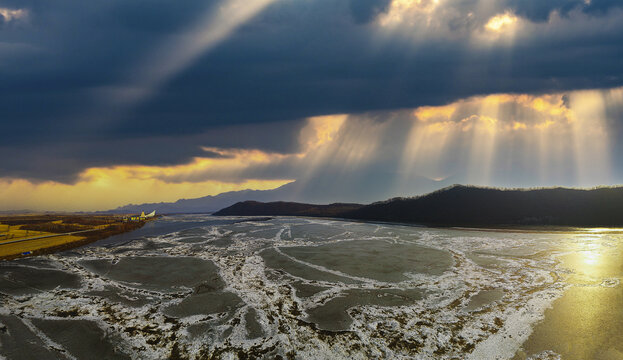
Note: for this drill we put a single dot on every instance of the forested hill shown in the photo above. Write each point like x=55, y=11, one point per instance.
x=251, y=208
x=469, y=206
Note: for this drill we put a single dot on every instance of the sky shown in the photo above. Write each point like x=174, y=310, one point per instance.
x=110, y=102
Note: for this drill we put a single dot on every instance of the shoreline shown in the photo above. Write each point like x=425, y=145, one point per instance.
x=95, y=234
x=49, y=238
x=527, y=229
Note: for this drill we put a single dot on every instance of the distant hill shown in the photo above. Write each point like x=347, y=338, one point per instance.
x=253, y=208
x=303, y=192
x=207, y=204
x=460, y=205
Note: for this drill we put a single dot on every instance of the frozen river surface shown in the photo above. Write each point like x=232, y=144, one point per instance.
x=197, y=286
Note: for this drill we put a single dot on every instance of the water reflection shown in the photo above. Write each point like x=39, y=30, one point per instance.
x=591, y=256
x=587, y=321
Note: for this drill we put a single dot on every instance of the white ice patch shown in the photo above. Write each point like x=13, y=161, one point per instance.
x=517, y=327
x=610, y=283
x=546, y=355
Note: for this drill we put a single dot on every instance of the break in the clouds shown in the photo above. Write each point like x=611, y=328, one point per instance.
x=116, y=85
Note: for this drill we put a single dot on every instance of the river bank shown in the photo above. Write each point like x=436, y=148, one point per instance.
x=30, y=235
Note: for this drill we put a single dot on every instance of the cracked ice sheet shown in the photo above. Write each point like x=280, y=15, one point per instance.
x=370, y=305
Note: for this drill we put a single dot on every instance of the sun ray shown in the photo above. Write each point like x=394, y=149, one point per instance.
x=590, y=137
x=175, y=55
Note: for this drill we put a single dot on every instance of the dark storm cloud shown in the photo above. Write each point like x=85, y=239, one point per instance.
x=297, y=59
x=365, y=10
x=538, y=10
x=61, y=161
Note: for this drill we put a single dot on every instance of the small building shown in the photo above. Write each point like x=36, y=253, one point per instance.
x=141, y=217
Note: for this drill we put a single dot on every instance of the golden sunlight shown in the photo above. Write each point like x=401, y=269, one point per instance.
x=500, y=29
x=407, y=12
x=13, y=14
x=101, y=188
x=590, y=135
x=425, y=145
x=552, y=135
x=109, y=189
x=501, y=22
x=426, y=113
x=321, y=130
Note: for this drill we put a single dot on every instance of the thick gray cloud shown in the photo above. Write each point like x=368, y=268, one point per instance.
x=365, y=10
x=296, y=59
x=61, y=161
x=538, y=10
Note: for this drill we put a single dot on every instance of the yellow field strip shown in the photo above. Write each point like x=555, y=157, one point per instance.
x=45, y=236
x=24, y=247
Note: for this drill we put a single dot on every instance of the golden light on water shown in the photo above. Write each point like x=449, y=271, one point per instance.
x=585, y=323
x=591, y=257
x=605, y=230
x=589, y=252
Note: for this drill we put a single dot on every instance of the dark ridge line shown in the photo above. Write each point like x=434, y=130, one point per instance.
x=467, y=206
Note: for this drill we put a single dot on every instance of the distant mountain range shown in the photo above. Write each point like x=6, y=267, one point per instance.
x=300, y=191
x=460, y=205
x=207, y=204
